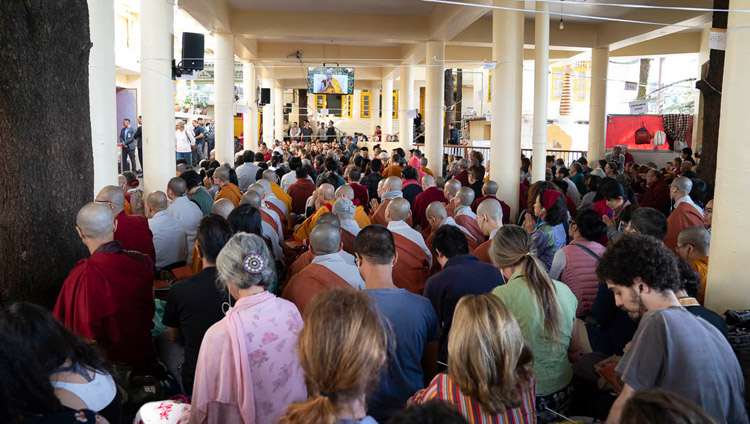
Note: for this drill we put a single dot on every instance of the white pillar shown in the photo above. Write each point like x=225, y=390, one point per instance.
x=597, y=108
x=268, y=127
x=728, y=286
x=374, y=110
x=387, y=118
x=102, y=102
x=405, y=104
x=250, y=119
x=507, y=81
x=294, y=115
x=157, y=88
x=541, y=84
x=278, y=114
x=433, y=105
x=224, y=97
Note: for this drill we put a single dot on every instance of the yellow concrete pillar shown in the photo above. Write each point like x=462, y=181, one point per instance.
x=598, y=103
x=433, y=105
x=224, y=97
x=278, y=114
x=250, y=119
x=268, y=127
x=507, y=82
x=102, y=103
x=541, y=90
x=157, y=91
x=387, y=117
x=728, y=286
x=406, y=103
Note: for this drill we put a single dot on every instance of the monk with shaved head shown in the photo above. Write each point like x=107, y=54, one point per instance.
x=132, y=230
x=324, y=197
x=450, y=191
x=326, y=271
x=227, y=190
x=391, y=190
x=437, y=217
x=272, y=214
x=489, y=191
x=278, y=197
x=108, y=298
x=360, y=216
x=490, y=219
x=430, y=193
x=414, y=257
x=463, y=214
x=221, y=207
x=270, y=225
x=170, y=240
x=303, y=260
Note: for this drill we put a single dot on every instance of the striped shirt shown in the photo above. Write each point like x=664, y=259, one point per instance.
x=443, y=388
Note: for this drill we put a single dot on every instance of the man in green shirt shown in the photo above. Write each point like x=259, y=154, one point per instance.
x=197, y=192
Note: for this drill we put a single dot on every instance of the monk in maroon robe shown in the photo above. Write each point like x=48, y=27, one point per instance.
x=464, y=216
x=489, y=191
x=132, y=231
x=685, y=213
x=490, y=217
x=657, y=193
x=108, y=297
x=430, y=193
x=391, y=190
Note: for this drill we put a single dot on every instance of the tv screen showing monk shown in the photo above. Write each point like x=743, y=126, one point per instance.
x=326, y=80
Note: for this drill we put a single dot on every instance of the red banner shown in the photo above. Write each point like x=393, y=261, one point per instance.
x=621, y=131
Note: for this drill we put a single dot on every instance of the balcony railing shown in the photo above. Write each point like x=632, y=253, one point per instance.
x=568, y=156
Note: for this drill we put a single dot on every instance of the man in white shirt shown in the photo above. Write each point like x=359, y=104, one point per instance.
x=247, y=171
x=183, y=141
x=184, y=210
x=572, y=191
x=170, y=240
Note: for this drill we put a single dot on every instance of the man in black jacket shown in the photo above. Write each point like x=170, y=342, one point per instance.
x=139, y=140
x=128, y=146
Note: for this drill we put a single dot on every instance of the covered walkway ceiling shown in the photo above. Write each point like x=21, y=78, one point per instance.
x=378, y=36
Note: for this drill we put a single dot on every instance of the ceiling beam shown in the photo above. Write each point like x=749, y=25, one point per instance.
x=683, y=42
x=211, y=14
x=284, y=25
x=574, y=35
x=447, y=21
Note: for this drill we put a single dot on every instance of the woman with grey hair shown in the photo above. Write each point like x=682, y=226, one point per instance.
x=248, y=369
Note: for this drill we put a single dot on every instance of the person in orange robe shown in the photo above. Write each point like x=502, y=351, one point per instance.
x=326, y=271
x=323, y=200
x=412, y=269
x=227, y=190
x=490, y=219
x=222, y=207
x=685, y=214
x=464, y=216
x=394, y=170
x=132, y=231
x=437, y=217
x=108, y=298
x=391, y=190
x=692, y=246
x=450, y=191
x=270, y=228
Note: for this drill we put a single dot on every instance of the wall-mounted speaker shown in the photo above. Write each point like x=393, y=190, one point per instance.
x=265, y=96
x=192, y=51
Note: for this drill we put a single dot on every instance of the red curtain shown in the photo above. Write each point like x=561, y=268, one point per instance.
x=621, y=131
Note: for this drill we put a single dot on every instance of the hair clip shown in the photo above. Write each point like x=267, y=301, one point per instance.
x=254, y=263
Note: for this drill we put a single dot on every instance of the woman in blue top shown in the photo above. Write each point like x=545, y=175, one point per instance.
x=546, y=225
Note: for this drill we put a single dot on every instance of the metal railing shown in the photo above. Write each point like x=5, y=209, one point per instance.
x=568, y=156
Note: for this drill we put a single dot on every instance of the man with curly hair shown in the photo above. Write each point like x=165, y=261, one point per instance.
x=672, y=349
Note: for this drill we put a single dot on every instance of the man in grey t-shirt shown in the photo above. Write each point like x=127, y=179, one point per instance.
x=672, y=349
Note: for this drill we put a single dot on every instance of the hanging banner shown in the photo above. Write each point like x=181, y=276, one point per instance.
x=638, y=107
x=490, y=65
x=621, y=131
x=631, y=86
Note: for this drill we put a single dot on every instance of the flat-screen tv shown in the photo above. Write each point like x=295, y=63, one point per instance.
x=330, y=80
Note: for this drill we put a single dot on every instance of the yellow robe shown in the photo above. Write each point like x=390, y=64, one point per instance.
x=287, y=199
x=335, y=86
x=303, y=231
x=700, y=266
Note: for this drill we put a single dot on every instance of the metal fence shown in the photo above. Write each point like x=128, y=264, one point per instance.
x=568, y=156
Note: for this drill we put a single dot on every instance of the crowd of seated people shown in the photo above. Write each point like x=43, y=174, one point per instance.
x=321, y=282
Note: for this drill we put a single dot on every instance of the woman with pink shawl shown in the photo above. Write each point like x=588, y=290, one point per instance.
x=415, y=162
x=248, y=370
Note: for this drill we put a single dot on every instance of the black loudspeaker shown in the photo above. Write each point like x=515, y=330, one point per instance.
x=265, y=96
x=192, y=51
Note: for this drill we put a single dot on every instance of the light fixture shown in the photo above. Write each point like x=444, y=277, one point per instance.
x=562, y=24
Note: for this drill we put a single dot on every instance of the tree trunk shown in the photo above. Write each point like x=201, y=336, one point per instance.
x=449, y=103
x=45, y=144
x=643, y=78
x=710, y=88
x=459, y=99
